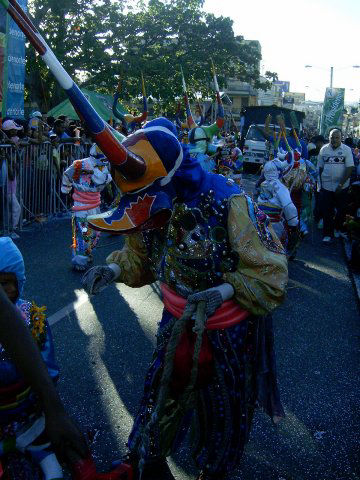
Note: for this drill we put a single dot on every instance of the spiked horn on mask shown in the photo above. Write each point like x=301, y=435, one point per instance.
x=126, y=118
x=220, y=120
x=130, y=165
x=189, y=118
x=200, y=114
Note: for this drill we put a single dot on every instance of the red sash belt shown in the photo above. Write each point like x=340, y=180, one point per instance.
x=229, y=314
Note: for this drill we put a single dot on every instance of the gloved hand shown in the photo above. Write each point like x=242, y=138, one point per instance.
x=214, y=297
x=97, y=278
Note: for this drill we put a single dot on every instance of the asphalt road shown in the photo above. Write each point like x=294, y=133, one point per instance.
x=104, y=343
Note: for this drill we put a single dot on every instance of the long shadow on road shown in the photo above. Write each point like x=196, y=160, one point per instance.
x=105, y=346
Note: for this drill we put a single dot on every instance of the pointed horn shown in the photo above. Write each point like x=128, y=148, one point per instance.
x=220, y=118
x=116, y=111
x=189, y=118
x=142, y=118
x=130, y=165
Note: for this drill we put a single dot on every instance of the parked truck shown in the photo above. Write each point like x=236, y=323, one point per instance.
x=253, y=138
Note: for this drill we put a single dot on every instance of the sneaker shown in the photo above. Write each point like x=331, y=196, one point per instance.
x=326, y=240
x=320, y=225
x=14, y=236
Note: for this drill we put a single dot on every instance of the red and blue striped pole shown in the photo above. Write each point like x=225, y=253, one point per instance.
x=130, y=165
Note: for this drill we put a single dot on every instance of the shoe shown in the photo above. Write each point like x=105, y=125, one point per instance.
x=320, y=225
x=344, y=235
x=336, y=233
x=304, y=233
x=326, y=240
x=14, y=235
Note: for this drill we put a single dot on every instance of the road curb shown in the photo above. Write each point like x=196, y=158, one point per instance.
x=355, y=277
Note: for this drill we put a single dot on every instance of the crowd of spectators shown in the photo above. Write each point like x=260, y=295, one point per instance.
x=33, y=144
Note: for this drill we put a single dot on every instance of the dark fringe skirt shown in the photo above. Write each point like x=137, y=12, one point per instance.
x=243, y=376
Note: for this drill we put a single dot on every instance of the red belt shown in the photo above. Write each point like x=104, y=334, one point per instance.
x=228, y=315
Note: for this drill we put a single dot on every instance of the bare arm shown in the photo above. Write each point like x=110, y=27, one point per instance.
x=347, y=175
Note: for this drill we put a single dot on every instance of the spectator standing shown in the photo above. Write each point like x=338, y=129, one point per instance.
x=335, y=165
x=11, y=129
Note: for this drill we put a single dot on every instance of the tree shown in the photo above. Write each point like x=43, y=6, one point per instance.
x=103, y=41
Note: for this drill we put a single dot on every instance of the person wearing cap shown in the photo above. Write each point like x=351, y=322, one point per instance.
x=87, y=178
x=222, y=271
x=11, y=129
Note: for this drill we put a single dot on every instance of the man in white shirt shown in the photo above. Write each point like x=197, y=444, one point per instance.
x=335, y=166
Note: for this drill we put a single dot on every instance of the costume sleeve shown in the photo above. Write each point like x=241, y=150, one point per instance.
x=261, y=275
x=133, y=260
x=66, y=183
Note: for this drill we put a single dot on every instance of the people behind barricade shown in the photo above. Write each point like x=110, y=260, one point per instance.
x=59, y=130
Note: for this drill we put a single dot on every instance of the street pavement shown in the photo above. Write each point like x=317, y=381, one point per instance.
x=104, y=344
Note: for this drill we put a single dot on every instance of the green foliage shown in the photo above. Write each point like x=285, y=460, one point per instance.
x=103, y=41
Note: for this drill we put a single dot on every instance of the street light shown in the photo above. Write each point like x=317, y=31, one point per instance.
x=332, y=72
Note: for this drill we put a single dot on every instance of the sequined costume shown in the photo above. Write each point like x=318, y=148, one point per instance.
x=216, y=234
x=274, y=200
x=232, y=166
x=22, y=423
x=87, y=178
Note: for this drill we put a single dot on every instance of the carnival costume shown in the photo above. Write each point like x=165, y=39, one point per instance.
x=200, y=137
x=301, y=177
x=274, y=200
x=231, y=166
x=128, y=121
x=192, y=230
x=203, y=238
x=87, y=178
x=24, y=450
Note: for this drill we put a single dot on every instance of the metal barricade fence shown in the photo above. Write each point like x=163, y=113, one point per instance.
x=36, y=191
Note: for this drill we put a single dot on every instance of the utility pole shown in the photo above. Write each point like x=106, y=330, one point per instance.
x=331, y=76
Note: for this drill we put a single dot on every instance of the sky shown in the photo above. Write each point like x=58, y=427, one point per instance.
x=293, y=33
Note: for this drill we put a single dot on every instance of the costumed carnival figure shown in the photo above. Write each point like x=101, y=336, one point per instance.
x=231, y=166
x=25, y=452
x=200, y=138
x=129, y=122
x=87, y=177
x=195, y=237
x=301, y=178
x=217, y=258
x=274, y=200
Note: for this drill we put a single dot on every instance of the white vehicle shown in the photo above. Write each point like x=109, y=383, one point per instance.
x=254, y=146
